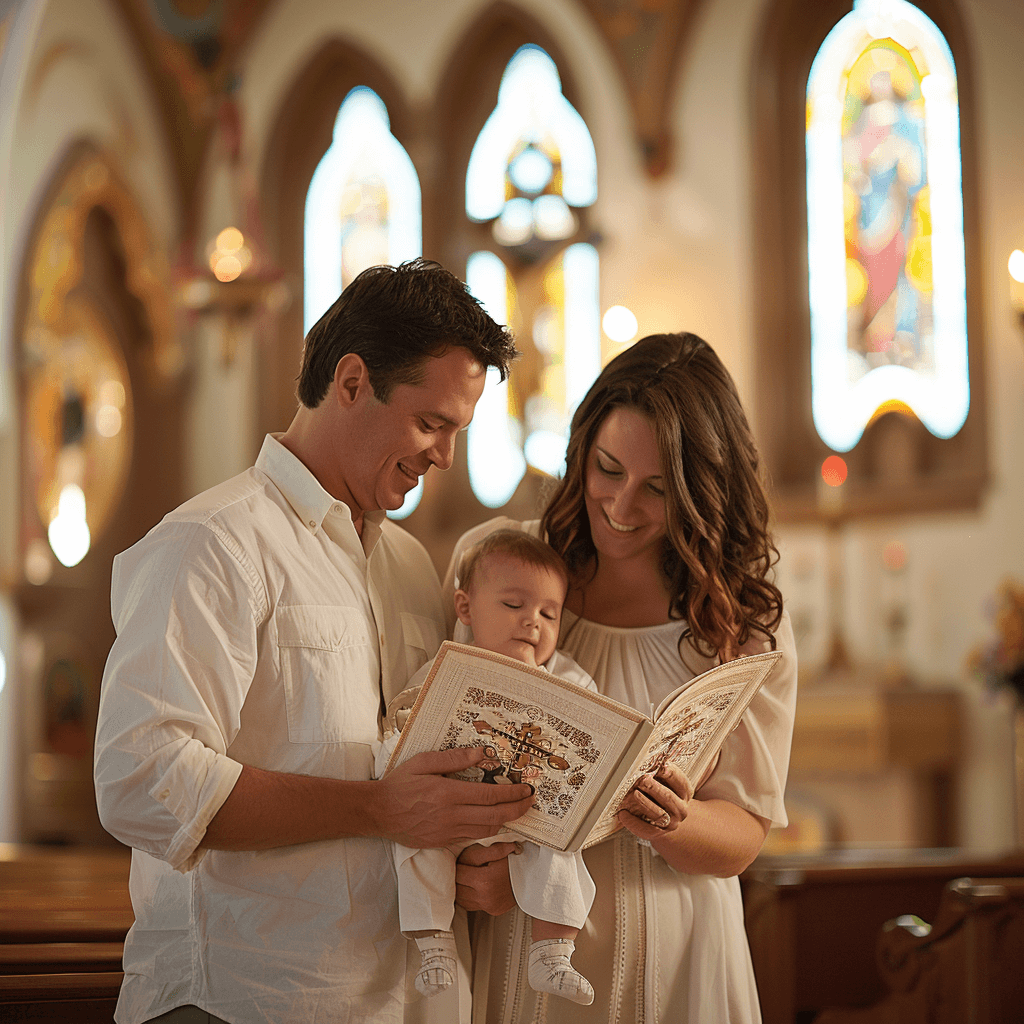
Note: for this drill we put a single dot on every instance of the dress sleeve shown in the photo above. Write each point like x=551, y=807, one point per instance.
x=754, y=763
x=187, y=613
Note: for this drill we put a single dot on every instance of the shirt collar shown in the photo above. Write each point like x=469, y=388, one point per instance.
x=303, y=491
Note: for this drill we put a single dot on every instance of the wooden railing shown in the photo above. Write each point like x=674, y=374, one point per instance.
x=813, y=924
x=63, y=920
x=966, y=968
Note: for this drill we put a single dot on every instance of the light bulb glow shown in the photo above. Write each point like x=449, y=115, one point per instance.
x=1015, y=265
x=833, y=471
x=230, y=240
x=68, y=532
x=225, y=268
x=620, y=324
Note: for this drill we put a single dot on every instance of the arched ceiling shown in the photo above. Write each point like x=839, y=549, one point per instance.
x=190, y=49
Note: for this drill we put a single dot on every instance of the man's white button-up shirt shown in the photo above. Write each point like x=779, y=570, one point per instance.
x=255, y=627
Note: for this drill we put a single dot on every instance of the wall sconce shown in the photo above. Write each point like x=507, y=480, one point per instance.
x=238, y=286
x=1015, y=265
x=239, y=281
x=238, y=302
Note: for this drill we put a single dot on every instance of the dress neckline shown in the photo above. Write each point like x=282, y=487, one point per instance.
x=673, y=625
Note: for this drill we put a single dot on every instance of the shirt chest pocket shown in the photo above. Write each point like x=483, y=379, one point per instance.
x=330, y=668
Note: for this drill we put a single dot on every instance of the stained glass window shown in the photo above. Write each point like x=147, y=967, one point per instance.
x=363, y=209
x=532, y=173
x=885, y=225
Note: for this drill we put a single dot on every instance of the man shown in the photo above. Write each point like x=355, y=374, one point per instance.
x=261, y=627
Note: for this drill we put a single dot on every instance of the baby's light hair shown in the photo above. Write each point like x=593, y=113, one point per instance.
x=523, y=547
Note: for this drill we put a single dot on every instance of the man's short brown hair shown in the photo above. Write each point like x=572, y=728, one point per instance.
x=394, y=319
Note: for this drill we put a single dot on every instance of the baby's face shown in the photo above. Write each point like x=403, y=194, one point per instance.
x=513, y=608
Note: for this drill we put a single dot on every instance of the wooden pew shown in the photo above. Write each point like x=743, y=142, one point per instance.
x=64, y=914
x=967, y=968
x=813, y=923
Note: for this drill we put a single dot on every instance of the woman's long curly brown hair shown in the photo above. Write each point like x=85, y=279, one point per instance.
x=718, y=552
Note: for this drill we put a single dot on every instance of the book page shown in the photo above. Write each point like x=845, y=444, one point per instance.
x=691, y=725
x=562, y=739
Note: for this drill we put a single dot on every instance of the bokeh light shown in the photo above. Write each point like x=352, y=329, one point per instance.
x=1016, y=265
x=833, y=471
x=620, y=324
x=894, y=556
x=230, y=240
x=38, y=562
x=69, y=532
x=230, y=256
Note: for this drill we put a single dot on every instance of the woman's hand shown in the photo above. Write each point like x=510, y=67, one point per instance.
x=694, y=836
x=657, y=804
x=481, y=878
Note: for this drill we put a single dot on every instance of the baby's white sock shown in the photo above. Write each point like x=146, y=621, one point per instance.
x=550, y=970
x=437, y=971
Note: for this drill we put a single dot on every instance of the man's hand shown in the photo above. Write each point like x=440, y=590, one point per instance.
x=419, y=807
x=481, y=878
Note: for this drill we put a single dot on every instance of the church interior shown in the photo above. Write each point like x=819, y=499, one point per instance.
x=825, y=191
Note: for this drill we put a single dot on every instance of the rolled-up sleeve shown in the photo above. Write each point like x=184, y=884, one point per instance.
x=187, y=609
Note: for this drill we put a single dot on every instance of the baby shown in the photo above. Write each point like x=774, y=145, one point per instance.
x=510, y=591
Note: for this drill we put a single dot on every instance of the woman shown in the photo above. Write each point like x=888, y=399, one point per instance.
x=663, y=522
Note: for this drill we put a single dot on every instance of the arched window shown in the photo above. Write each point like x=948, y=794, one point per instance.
x=531, y=175
x=885, y=242
x=363, y=209
x=867, y=279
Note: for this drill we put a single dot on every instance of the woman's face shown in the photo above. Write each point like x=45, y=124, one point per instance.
x=625, y=492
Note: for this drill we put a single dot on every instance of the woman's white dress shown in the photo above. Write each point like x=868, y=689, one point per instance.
x=659, y=946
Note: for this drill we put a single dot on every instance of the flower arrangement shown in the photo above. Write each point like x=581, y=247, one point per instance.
x=1000, y=660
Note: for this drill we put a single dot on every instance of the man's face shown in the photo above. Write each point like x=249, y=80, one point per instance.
x=513, y=608
x=390, y=446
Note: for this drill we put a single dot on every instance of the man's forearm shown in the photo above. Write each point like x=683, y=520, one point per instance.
x=270, y=809
x=415, y=805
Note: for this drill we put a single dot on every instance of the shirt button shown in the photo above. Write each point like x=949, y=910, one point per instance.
x=335, y=508
x=312, y=523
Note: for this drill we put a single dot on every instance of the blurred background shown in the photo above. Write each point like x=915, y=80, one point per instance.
x=829, y=193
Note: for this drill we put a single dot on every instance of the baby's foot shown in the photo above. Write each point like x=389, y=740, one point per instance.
x=437, y=971
x=551, y=971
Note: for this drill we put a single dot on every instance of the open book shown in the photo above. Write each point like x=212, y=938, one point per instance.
x=579, y=750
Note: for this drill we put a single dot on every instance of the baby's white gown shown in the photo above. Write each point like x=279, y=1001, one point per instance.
x=659, y=946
